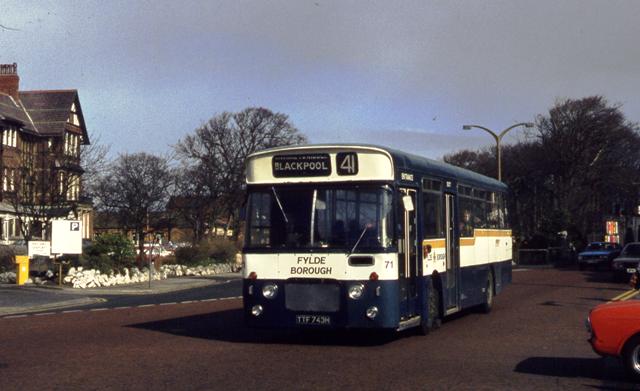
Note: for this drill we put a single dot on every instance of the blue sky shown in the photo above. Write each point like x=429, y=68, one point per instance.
x=403, y=74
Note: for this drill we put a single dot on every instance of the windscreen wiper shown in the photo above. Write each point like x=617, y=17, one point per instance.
x=366, y=227
x=286, y=220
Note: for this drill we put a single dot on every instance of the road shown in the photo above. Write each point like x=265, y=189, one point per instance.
x=533, y=339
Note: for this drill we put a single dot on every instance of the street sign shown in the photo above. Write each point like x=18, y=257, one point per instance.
x=66, y=237
x=39, y=247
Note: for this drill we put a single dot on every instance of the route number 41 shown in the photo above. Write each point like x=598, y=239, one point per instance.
x=347, y=163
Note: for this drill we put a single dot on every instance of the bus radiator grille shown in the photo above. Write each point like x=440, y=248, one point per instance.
x=312, y=297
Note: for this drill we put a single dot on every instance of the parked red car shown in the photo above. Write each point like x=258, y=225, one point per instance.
x=615, y=331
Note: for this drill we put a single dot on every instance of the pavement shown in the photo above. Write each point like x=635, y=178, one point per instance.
x=29, y=298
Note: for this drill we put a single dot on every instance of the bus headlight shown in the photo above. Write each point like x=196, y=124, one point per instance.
x=355, y=291
x=372, y=312
x=256, y=310
x=270, y=291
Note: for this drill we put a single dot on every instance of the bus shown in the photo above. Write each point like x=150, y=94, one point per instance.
x=360, y=236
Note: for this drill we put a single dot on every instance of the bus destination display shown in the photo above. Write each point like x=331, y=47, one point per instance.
x=318, y=164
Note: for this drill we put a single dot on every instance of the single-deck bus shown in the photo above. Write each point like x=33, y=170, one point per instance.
x=357, y=236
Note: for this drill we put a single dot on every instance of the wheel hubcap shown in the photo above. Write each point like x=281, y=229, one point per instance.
x=635, y=357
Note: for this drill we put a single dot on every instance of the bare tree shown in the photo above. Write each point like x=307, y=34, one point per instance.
x=592, y=160
x=193, y=200
x=94, y=163
x=217, y=151
x=482, y=161
x=134, y=186
x=582, y=165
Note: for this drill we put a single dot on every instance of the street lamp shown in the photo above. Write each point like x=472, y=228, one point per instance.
x=498, y=138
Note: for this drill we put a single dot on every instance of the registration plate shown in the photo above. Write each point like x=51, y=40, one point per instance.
x=317, y=320
x=631, y=270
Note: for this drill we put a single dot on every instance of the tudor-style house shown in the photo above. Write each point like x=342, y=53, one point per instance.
x=42, y=133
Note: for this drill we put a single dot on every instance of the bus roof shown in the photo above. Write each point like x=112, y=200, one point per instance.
x=401, y=161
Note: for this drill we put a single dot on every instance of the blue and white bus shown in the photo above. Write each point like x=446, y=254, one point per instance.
x=358, y=236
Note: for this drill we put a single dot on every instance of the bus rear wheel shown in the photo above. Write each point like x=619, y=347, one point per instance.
x=433, y=320
x=487, y=306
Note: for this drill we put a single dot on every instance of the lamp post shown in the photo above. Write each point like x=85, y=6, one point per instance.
x=498, y=138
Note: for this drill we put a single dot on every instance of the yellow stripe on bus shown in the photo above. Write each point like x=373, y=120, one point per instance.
x=491, y=232
x=468, y=241
x=435, y=243
x=484, y=233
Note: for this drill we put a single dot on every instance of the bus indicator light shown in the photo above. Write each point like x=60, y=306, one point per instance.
x=253, y=276
x=373, y=276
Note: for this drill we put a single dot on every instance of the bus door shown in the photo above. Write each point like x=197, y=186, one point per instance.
x=408, y=252
x=452, y=256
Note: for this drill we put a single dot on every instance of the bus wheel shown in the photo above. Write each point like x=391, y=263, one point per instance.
x=433, y=308
x=488, y=301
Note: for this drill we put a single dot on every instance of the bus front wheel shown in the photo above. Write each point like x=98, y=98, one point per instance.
x=433, y=320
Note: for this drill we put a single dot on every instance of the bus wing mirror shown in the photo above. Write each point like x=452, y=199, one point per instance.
x=407, y=201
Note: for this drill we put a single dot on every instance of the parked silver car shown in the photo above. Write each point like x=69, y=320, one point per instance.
x=627, y=263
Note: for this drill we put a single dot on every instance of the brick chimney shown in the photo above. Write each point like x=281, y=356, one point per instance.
x=9, y=80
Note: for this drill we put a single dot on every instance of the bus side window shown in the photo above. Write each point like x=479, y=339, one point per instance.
x=466, y=217
x=433, y=221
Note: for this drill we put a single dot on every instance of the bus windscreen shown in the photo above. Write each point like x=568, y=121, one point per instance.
x=320, y=217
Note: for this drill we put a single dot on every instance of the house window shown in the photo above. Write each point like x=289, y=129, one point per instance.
x=9, y=136
x=73, y=188
x=73, y=116
x=61, y=184
x=71, y=144
x=8, y=179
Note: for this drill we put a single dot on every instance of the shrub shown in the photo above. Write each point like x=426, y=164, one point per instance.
x=190, y=256
x=222, y=250
x=7, y=259
x=218, y=250
x=114, y=250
